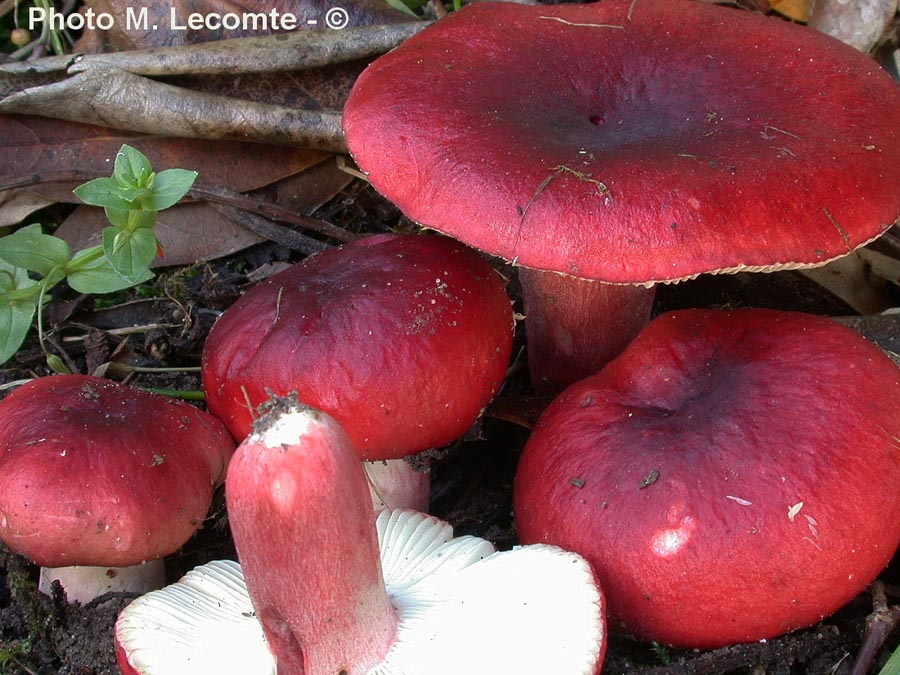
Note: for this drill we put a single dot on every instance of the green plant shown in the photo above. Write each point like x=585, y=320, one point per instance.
x=17, y=39
x=892, y=667
x=32, y=262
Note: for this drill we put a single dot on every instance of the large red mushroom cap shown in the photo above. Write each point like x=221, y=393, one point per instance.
x=719, y=474
x=403, y=339
x=631, y=143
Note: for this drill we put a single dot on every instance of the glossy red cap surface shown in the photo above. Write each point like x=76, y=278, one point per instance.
x=632, y=142
x=719, y=475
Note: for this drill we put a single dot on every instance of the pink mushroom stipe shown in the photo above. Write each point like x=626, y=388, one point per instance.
x=723, y=475
x=629, y=143
x=326, y=586
x=99, y=481
x=403, y=339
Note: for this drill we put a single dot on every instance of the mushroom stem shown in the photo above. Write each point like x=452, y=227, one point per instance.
x=83, y=583
x=395, y=483
x=304, y=530
x=575, y=327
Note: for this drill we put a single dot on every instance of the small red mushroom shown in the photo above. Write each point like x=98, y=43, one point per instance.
x=403, y=339
x=628, y=142
x=336, y=588
x=730, y=476
x=99, y=481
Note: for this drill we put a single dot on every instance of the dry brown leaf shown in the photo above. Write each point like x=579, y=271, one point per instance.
x=197, y=232
x=797, y=10
x=361, y=13
x=851, y=279
x=883, y=266
x=36, y=146
x=17, y=205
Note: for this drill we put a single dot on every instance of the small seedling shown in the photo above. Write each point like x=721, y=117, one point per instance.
x=32, y=262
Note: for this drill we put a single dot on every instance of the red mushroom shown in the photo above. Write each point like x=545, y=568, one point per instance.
x=629, y=143
x=338, y=590
x=100, y=481
x=403, y=339
x=721, y=475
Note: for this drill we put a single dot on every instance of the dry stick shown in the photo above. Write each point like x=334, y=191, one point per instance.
x=286, y=51
x=248, y=203
x=272, y=231
x=120, y=100
x=879, y=624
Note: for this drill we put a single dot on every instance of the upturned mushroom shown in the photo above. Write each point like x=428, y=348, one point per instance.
x=335, y=589
x=629, y=143
x=723, y=475
x=99, y=481
x=403, y=339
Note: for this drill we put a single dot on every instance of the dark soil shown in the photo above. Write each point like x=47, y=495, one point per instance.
x=471, y=480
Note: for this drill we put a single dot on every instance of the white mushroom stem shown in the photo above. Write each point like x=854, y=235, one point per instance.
x=83, y=583
x=575, y=326
x=395, y=484
x=303, y=526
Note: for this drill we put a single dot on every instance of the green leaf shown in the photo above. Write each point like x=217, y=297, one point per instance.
x=130, y=252
x=169, y=187
x=14, y=278
x=131, y=220
x=132, y=168
x=57, y=365
x=892, y=667
x=15, y=322
x=33, y=250
x=99, y=276
x=402, y=6
x=16, y=315
x=103, y=192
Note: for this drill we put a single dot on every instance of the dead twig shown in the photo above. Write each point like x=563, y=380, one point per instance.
x=879, y=624
x=247, y=203
x=296, y=241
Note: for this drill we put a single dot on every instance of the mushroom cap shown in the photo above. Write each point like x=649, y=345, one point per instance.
x=462, y=609
x=719, y=474
x=632, y=142
x=93, y=472
x=403, y=339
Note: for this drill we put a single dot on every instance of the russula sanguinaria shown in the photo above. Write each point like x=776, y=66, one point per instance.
x=630, y=143
x=403, y=339
x=722, y=474
x=99, y=481
x=338, y=589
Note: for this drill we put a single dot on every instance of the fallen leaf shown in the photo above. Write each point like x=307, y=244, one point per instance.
x=35, y=146
x=131, y=34
x=797, y=10
x=851, y=279
x=40, y=147
x=17, y=205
